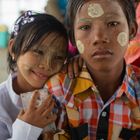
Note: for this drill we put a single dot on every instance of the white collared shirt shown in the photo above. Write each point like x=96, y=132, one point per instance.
x=12, y=128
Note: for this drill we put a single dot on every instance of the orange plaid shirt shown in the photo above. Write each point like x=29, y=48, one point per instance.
x=119, y=117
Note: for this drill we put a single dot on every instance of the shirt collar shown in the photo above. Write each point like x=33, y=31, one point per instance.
x=129, y=85
x=83, y=82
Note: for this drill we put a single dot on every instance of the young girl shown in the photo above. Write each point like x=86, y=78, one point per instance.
x=103, y=103
x=37, y=50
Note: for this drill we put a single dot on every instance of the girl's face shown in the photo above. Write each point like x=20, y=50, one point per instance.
x=101, y=33
x=34, y=67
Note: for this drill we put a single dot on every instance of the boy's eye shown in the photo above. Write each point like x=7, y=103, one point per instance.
x=112, y=24
x=84, y=27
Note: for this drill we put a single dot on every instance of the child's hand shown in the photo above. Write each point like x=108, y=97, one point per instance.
x=73, y=66
x=38, y=116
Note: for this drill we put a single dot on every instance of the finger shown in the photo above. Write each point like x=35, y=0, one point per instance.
x=51, y=118
x=80, y=62
x=76, y=66
x=48, y=110
x=32, y=104
x=70, y=69
x=64, y=68
x=45, y=104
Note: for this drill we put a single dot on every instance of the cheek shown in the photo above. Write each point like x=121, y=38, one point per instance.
x=26, y=62
x=80, y=46
x=122, y=39
x=55, y=69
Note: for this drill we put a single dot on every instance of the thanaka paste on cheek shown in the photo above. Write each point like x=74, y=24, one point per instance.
x=95, y=10
x=27, y=67
x=122, y=39
x=80, y=46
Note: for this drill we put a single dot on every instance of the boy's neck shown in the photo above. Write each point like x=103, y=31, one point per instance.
x=108, y=82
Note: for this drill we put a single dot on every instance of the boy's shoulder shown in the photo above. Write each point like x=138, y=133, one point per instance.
x=57, y=78
x=136, y=71
x=59, y=82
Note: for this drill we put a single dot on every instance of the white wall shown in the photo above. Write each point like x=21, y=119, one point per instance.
x=10, y=9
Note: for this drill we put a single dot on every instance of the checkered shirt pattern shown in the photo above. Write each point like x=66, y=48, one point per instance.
x=83, y=104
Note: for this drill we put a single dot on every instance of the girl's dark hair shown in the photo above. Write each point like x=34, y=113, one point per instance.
x=29, y=30
x=74, y=5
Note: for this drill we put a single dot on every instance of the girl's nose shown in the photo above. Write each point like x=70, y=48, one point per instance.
x=41, y=66
x=43, y=63
x=44, y=67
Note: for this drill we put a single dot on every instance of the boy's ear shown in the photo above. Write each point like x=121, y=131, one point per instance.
x=133, y=30
x=10, y=46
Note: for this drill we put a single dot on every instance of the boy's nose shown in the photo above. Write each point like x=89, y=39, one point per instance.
x=100, y=36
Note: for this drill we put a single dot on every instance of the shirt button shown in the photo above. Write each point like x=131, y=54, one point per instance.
x=104, y=115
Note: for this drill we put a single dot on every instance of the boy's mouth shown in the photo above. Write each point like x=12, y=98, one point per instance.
x=102, y=53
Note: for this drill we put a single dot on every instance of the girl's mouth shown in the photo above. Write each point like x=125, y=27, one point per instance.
x=40, y=75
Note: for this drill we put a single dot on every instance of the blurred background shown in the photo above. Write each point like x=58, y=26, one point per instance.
x=10, y=10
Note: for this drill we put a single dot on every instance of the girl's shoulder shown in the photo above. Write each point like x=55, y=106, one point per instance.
x=3, y=88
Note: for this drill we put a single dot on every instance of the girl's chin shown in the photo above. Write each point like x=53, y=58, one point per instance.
x=37, y=83
x=38, y=86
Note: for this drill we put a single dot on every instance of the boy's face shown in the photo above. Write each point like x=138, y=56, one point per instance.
x=101, y=33
x=43, y=61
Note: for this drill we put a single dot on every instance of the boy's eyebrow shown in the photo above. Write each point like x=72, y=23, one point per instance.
x=107, y=15
x=84, y=20
x=112, y=15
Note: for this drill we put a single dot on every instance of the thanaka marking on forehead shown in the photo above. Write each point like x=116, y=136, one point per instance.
x=95, y=10
x=80, y=46
x=123, y=39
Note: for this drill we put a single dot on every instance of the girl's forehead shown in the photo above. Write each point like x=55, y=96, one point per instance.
x=52, y=41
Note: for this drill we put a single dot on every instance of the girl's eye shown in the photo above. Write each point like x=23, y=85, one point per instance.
x=40, y=52
x=84, y=27
x=112, y=24
x=59, y=58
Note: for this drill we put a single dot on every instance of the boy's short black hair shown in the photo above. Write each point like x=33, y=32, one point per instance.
x=74, y=5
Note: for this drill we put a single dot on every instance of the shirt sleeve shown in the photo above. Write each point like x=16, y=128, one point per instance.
x=24, y=131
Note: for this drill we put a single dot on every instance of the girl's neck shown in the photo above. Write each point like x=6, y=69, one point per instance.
x=20, y=88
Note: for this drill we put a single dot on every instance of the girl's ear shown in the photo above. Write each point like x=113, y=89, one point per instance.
x=10, y=46
x=133, y=30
